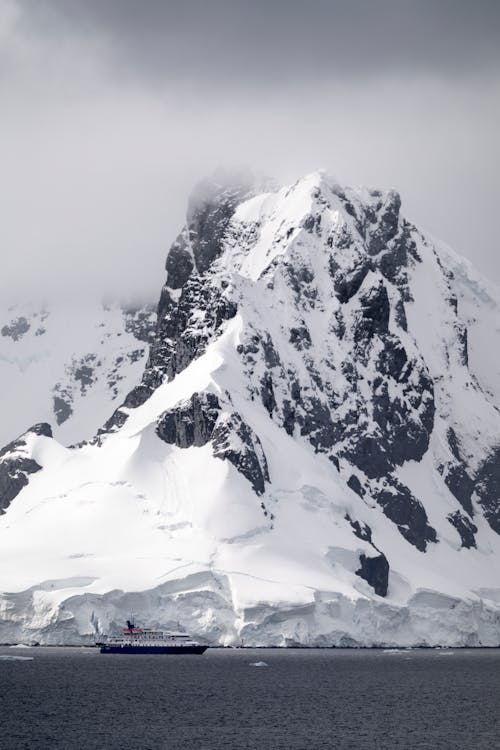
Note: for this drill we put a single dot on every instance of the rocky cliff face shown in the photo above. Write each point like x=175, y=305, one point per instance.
x=311, y=454
x=16, y=464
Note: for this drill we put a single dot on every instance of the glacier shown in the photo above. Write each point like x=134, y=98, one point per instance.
x=309, y=455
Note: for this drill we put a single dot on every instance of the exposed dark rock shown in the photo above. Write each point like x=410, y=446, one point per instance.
x=295, y=391
x=42, y=429
x=456, y=476
x=16, y=329
x=375, y=570
x=248, y=458
x=487, y=489
x=453, y=302
x=348, y=284
x=333, y=266
x=210, y=209
x=334, y=460
x=13, y=477
x=407, y=513
x=312, y=223
x=251, y=345
x=463, y=351
x=137, y=396
x=289, y=417
x=406, y=431
x=350, y=372
x=400, y=314
x=62, y=409
x=375, y=311
x=337, y=326
x=392, y=360
x=84, y=373
x=271, y=356
x=342, y=238
x=316, y=423
x=180, y=336
x=359, y=221
x=300, y=338
x=116, y=420
x=460, y=484
x=314, y=373
x=181, y=333
x=141, y=323
x=267, y=393
x=465, y=528
x=166, y=304
x=190, y=423
x=135, y=355
x=16, y=466
x=403, y=423
x=362, y=531
x=299, y=276
x=367, y=452
x=453, y=442
x=411, y=247
x=392, y=262
x=179, y=264
x=385, y=221
x=199, y=420
x=355, y=485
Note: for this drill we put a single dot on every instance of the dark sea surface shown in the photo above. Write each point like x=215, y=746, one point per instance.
x=335, y=699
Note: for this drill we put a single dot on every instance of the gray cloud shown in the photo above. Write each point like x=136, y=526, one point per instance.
x=110, y=111
x=237, y=40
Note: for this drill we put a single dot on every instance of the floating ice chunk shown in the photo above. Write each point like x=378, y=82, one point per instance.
x=8, y=657
x=394, y=650
x=19, y=645
x=258, y=664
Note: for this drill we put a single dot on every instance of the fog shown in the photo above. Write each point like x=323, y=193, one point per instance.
x=110, y=112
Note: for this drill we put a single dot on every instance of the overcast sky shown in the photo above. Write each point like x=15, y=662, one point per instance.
x=110, y=110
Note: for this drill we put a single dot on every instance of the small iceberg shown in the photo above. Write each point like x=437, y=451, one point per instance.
x=19, y=645
x=258, y=664
x=393, y=651
x=8, y=657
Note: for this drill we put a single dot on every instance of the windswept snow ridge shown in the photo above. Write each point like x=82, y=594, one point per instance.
x=312, y=455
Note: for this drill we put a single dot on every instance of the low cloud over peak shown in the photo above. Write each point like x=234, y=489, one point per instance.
x=112, y=110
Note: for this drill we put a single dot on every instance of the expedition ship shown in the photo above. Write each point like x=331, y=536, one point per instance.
x=145, y=641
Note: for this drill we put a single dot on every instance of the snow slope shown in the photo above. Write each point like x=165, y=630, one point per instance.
x=311, y=455
x=68, y=364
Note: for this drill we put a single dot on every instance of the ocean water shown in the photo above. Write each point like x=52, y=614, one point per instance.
x=304, y=699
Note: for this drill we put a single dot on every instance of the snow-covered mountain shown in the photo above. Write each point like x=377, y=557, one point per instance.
x=311, y=456
x=69, y=364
